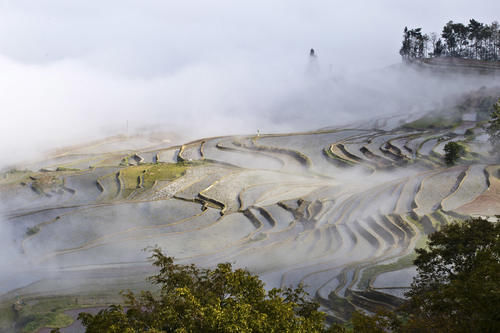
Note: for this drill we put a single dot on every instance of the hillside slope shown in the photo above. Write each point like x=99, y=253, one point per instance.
x=340, y=210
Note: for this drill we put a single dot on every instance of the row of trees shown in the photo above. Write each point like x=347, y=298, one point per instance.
x=475, y=40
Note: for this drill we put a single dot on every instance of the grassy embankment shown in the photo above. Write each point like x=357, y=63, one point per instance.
x=142, y=177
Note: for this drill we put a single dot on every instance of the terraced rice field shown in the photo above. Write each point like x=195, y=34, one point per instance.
x=340, y=210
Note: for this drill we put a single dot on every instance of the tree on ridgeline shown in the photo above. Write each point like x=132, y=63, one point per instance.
x=474, y=40
x=462, y=33
x=495, y=41
x=436, y=44
x=438, y=49
x=457, y=287
x=475, y=35
x=450, y=37
x=414, y=44
x=405, y=48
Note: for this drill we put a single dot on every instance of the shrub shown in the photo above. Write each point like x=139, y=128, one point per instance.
x=32, y=230
x=453, y=151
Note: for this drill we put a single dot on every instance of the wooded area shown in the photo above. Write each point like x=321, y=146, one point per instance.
x=475, y=40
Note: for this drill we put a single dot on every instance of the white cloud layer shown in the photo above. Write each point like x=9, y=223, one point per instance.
x=77, y=70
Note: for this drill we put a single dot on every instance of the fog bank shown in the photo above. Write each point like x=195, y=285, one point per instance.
x=73, y=72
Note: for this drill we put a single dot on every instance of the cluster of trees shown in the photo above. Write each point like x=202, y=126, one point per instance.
x=472, y=41
x=457, y=290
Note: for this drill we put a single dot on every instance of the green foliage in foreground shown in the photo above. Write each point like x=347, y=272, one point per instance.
x=457, y=288
x=208, y=300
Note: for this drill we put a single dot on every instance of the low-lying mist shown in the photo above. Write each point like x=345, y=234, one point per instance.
x=50, y=106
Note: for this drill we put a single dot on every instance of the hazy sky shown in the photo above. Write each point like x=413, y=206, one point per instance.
x=154, y=38
x=72, y=70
